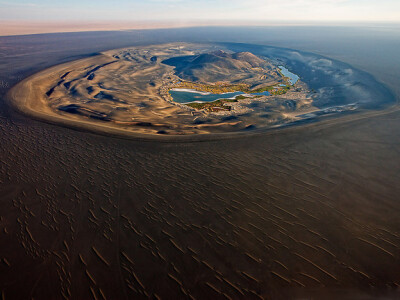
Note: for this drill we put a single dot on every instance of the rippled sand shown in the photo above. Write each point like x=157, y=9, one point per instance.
x=310, y=211
x=125, y=92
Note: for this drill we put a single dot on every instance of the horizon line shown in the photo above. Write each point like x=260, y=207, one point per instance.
x=16, y=28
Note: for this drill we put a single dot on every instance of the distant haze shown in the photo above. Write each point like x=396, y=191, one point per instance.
x=24, y=17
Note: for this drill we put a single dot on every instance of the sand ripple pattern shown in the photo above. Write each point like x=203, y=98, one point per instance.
x=91, y=216
x=284, y=215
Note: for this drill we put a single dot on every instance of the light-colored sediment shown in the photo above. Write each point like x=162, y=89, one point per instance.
x=125, y=92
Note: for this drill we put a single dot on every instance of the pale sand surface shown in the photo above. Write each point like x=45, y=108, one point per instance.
x=131, y=93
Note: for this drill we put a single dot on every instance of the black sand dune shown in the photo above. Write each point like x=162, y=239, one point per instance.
x=309, y=211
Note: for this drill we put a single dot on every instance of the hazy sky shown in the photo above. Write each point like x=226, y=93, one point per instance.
x=200, y=10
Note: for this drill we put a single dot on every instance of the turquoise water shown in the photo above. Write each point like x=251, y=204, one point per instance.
x=292, y=77
x=193, y=96
x=187, y=97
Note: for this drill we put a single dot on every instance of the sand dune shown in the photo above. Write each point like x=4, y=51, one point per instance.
x=126, y=92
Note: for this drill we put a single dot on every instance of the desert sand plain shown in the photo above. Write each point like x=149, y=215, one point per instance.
x=304, y=212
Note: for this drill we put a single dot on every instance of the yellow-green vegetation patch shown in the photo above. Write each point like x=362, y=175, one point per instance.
x=263, y=89
x=220, y=103
x=213, y=88
x=241, y=97
x=281, y=91
x=272, y=89
x=211, y=106
x=226, y=88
